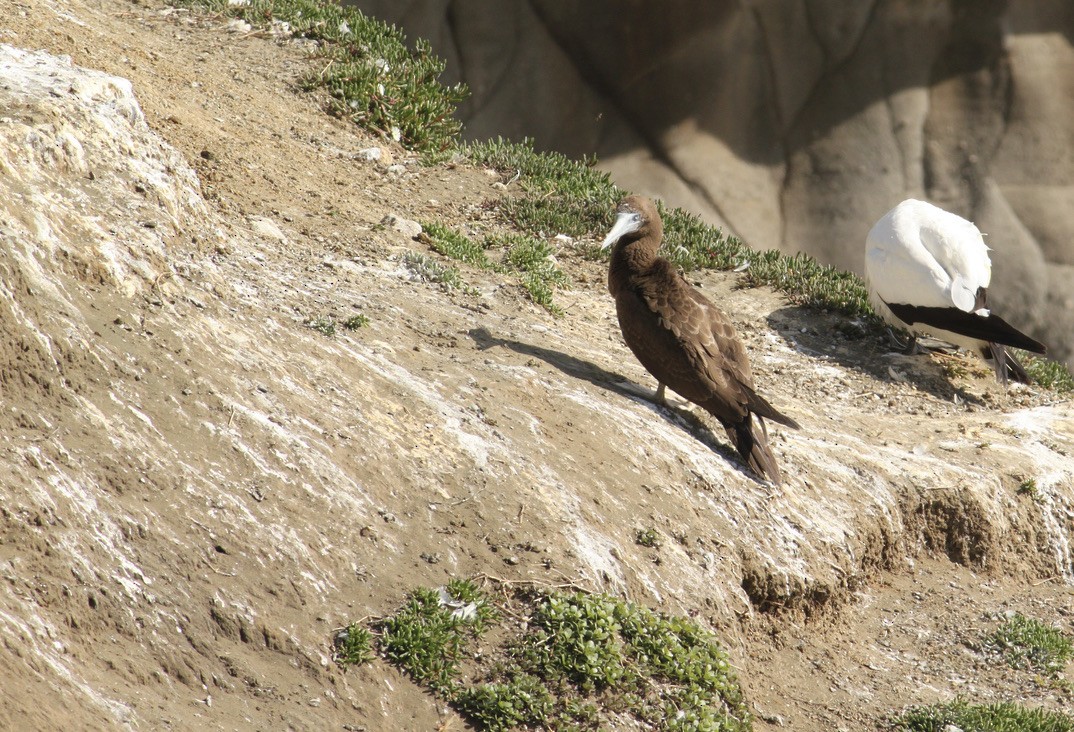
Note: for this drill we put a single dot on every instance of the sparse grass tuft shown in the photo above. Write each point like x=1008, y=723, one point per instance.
x=455, y=245
x=324, y=325
x=1028, y=487
x=426, y=638
x=534, y=261
x=692, y=244
x=961, y=715
x=560, y=195
x=539, y=289
x=356, y=321
x=354, y=646
x=1027, y=643
x=580, y=661
x=563, y=196
x=370, y=74
x=1047, y=373
x=428, y=269
x=529, y=258
x=548, y=172
x=648, y=538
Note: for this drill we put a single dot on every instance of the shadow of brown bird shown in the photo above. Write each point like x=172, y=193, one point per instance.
x=684, y=340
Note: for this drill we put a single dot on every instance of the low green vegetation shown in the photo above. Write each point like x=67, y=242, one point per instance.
x=455, y=245
x=324, y=325
x=534, y=262
x=1028, y=487
x=966, y=717
x=648, y=538
x=1049, y=374
x=519, y=701
x=369, y=73
x=356, y=321
x=427, y=637
x=1024, y=644
x=560, y=661
x=354, y=646
x=560, y=195
x=531, y=260
x=427, y=269
x=1027, y=643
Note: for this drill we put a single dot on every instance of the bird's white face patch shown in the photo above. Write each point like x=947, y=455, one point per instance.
x=625, y=223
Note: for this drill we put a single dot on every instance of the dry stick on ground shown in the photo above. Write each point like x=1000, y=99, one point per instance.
x=569, y=584
x=1053, y=578
x=374, y=618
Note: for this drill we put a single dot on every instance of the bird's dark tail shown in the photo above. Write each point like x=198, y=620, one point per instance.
x=752, y=445
x=1005, y=364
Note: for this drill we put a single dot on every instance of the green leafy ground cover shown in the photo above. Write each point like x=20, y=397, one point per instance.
x=561, y=661
x=1027, y=643
x=966, y=717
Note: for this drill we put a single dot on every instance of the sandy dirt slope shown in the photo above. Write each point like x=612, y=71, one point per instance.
x=200, y=487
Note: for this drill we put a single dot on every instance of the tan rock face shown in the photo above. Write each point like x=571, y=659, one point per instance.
x=796, y=125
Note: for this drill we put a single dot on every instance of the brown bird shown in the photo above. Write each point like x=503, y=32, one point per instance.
x=682, y=339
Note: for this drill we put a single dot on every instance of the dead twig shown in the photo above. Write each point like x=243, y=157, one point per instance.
x=1046, y=580
x=568, y=584
x=45, y=437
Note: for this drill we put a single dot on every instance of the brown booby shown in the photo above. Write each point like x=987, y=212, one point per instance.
x=682, y=339
x=928, y=270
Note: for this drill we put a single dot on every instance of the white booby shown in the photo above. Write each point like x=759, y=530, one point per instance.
x=928, y=270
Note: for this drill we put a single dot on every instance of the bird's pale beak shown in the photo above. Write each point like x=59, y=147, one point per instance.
x=625, y=223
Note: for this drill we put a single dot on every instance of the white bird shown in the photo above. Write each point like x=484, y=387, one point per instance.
x=928, y=270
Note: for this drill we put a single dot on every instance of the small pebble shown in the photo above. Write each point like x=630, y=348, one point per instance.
x=370, y=153
x=406, y=227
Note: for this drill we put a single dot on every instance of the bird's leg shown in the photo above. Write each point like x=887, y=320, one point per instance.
x=895, y=339
x=660, y=398
x=910, y=347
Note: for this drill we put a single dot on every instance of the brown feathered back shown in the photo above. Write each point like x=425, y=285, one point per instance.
x=684, y=340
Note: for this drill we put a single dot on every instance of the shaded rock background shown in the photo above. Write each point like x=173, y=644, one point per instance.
x=197, y=488
x=796, y=125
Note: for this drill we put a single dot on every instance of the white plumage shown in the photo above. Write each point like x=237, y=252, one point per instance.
x=928, y=270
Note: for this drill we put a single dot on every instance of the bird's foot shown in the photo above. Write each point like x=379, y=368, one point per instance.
x=910, y=347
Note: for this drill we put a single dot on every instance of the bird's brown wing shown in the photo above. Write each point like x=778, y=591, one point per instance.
x=686, y=342
x=736, y=362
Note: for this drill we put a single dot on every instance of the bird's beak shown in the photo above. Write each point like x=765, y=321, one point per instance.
x=625, y=223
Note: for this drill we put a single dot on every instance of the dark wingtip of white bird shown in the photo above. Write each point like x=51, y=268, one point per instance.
x=928, y=270
x=987, y=327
